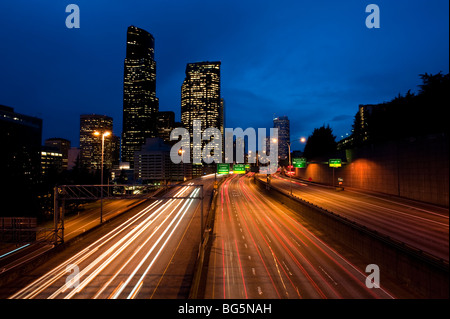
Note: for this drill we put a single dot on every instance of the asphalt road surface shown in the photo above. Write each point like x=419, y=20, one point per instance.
x=261, y=249
x=420, y=225
x=150, y=254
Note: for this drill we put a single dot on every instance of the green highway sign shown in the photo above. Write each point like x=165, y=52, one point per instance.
x=223, y=168
x=239, y=169
x=335, y=162
x=247, y=166
x=299, y=162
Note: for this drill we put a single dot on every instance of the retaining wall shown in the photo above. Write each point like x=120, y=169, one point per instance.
x=415, y=168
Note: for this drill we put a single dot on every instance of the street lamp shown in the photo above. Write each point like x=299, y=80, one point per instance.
x=103, y=134
x=302, y=140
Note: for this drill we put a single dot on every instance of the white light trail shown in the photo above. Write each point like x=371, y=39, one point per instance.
x=182, y=211
x=42, y=283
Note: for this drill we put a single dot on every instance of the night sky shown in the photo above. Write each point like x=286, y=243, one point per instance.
x=314, y=61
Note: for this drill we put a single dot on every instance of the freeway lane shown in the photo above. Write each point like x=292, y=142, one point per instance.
x=419, y=225
x=74, y=225
x=129, y=261
x=81, y=222
x=261, y=249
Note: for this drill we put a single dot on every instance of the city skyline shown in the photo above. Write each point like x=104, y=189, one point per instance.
x=224, y=150
x=314, y=63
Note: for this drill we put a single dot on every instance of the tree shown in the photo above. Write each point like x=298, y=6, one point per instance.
x=321, y=143
x=411, y=115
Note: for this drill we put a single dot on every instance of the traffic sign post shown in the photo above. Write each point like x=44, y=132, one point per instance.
x=223, y=168
x=238, y=169
x=334, y=162
x=337, y=162
x=299, y=162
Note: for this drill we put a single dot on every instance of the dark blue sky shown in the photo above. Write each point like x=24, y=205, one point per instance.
x=314, y=61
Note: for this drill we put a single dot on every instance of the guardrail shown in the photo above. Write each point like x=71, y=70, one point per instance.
x=205, y=244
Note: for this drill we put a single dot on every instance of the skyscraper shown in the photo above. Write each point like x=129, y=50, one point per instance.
x=91, y=145
x=20, y=142
x=62, y=146
x=140, y=104
x=282, y=123
x=51, y=161
x=200, y=97
x=20, y=145
x=166, y=123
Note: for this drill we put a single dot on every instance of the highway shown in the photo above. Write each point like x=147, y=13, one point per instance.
x=261, y=249
x=150, y=254
x=83, y=221
x=420, y=225
x=74, y=225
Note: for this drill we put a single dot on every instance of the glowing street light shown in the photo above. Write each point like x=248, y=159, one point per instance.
x=103, y=134
x=302, y=140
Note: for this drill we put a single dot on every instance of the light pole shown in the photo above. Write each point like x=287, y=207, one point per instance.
x=302, y=140
x=103, y=134
x=289, y=149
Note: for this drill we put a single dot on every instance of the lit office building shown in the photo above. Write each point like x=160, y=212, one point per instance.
x=91, y=144
x=282, y=123
x=61, y=145
x=20, y=140
x=51, y=161
x=140, y=104
x=201, y=100
x=20, y=144
x=166, y=123
x=153, y=164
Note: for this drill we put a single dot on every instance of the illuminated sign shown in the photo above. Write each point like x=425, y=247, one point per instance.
x=299, y=162
x=239, y=169
x=335, y=162
x=223, y=168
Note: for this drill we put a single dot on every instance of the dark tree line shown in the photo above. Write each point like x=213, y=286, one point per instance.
x=411, y=115
x=406, y=116
x=320, y=144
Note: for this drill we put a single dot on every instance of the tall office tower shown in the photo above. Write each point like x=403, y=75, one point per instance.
x=91, y=144
x=62, y=146
x=200, y=98
x=20, y=144
x=20, y=140
x=282, y=123
x=140, y=104
x=166, y=123
x=51, y=161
